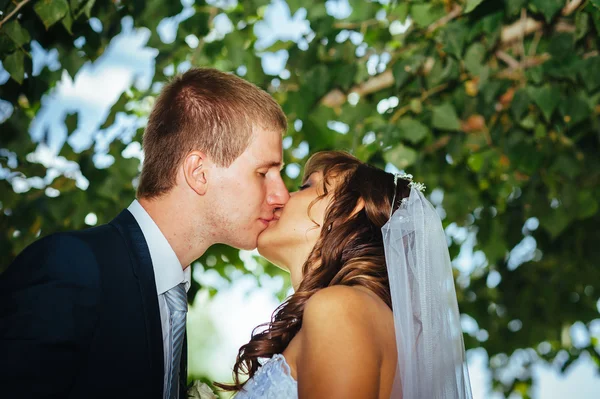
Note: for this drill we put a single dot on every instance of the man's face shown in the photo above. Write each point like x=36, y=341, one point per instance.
x=248, y=191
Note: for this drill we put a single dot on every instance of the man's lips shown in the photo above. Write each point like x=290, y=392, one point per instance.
x=267, y=221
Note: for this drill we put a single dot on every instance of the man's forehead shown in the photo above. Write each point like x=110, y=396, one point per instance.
x=266, y=148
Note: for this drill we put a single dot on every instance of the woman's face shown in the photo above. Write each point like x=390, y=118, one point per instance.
x=291, y=236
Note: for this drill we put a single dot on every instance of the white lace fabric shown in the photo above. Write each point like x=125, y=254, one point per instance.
x=272, y=381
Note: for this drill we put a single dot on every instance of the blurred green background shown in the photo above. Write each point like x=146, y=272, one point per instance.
x=494, y=105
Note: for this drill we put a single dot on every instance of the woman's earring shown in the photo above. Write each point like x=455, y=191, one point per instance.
x=329, y=228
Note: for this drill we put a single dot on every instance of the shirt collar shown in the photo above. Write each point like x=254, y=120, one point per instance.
x=167, y=270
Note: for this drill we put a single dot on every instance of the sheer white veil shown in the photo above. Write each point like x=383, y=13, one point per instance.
x=431, y=354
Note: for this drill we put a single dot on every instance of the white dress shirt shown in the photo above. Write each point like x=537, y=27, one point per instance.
x=168, y=273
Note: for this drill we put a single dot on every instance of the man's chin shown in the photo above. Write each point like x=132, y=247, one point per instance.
x=246, y=245
x=262, y=244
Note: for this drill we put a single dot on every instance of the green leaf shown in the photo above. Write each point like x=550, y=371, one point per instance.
x=254, y=73
x=361, y=10
x=294, y=5
x=565, y=68
x=316, y=11
x=344, y=75
x=406, y=69
x=513, y=7
x=412, y=130
x=445, y=118
x=279, y=45
x=7, y=45
x=67, y=22
x=401, y=156
x=556, y=222
x=399, y=12
x=14, y=64
x=17, y=33
x=540, y=131
x=596, y=3
x=441, y=72
x=72, y=61
x=587, y=205
x=546, y=98
x=520, y=103
x=548, y=7
x=424, y=15
x=88, y=8
x=454, y=38
x=316, y=130
x=197, y=24
x=561, y=45
x=471, y=5
x=529, y=121
x=566, y=165
x=317, y=79
x=118, y=106
x=589, y=73
x=582, y=24
x=475, y=161
x=535, y=74
x=576, y=109
x=79, y=7
x=71, y=122
x=416, y=106
x=235, y=42
x=474, y=58
x=51, y=11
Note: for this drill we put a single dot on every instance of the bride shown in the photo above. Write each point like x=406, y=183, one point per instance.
x=374, y=312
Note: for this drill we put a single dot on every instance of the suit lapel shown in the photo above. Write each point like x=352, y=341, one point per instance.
x=144, y=271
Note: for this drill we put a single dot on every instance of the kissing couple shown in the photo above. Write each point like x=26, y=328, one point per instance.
x=101, y=313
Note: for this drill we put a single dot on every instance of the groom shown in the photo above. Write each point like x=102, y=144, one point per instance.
x=101, y=313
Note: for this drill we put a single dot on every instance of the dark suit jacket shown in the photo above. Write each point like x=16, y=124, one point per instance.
x=79, y=318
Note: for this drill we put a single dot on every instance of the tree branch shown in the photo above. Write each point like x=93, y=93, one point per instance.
x=454, y=13
x=336, y=97
x=355, y=25
x=571, y=6
x=515, y=72
x=13, y=12
x=510, y=61
x=514, y=31
x=519, y=29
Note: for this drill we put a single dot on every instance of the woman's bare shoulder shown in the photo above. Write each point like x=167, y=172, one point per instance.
x=346, y=306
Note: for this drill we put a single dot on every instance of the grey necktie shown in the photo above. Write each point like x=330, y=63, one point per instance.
x=177, y=302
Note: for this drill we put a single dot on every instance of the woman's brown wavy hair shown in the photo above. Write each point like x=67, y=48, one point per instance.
x=350, y=252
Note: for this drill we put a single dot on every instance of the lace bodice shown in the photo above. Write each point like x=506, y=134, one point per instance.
x=272, y=381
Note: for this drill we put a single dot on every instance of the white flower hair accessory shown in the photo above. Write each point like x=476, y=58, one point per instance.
x=200, y=390
x=412, y=184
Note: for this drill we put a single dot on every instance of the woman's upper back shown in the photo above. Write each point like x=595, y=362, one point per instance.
x=346, y=346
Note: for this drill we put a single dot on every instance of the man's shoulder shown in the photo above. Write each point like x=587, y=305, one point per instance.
x=81, y=241
x=62, y=253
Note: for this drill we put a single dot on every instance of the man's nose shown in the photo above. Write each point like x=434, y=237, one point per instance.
x=278, y=195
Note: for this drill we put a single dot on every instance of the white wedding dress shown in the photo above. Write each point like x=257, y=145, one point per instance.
x=272, y=381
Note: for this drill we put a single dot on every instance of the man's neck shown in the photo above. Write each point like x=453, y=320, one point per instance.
x=180, y=230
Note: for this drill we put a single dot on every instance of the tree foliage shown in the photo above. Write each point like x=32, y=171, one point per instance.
x=494, y=104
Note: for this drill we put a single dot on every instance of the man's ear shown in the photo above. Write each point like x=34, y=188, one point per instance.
x=195, y=170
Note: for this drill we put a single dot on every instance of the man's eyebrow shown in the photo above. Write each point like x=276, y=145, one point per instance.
x=272, y=164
